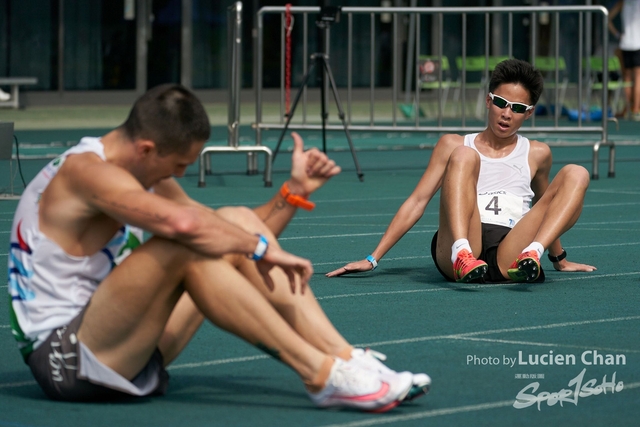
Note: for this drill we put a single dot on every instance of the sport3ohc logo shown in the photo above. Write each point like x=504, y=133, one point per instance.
x=577, y=389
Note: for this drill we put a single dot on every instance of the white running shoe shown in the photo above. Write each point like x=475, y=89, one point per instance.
x=4, y=96
x=372, y=360
x=351, y=385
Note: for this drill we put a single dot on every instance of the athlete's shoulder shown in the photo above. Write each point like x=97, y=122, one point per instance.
x=539, y=152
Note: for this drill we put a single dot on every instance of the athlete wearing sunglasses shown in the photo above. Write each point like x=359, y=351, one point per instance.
x=516, y=107
x=498, y=210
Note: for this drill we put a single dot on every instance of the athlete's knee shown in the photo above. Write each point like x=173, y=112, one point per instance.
x=464, y=154
x=576, y=177
x=240, y=215
x=244, y=218
x=172, y=252
x=464, y=157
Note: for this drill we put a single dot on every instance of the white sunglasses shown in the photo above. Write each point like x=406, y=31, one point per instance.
x=516, y=107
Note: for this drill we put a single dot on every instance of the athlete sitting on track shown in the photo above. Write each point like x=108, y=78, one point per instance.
x=98, y=315
x=488, y=182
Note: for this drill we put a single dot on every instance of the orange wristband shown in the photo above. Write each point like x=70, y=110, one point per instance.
x=294, y=199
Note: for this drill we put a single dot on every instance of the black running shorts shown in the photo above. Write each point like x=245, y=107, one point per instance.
x=492, y=235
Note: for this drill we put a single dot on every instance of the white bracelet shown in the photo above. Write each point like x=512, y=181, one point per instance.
x=373, y=262
x=261, y=248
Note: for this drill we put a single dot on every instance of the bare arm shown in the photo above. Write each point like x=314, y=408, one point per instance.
x=413, y=208
x=310, y=170
x=87, y=190
x=615, y=10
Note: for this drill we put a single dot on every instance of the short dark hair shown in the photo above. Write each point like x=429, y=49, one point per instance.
x=519, y=72
x=169, y=115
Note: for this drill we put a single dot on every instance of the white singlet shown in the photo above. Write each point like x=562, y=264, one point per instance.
x=48, y=287
x=504, y=184
x=630, y=14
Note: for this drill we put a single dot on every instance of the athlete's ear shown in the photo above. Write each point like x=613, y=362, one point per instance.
x=144, y=147
x=530, y=113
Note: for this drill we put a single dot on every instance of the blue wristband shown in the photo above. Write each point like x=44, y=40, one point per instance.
x=373, y=262
x=261, y=248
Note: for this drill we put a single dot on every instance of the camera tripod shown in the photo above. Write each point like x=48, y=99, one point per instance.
x=320, y=60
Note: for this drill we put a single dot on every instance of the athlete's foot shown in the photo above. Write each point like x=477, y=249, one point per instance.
x=526, y=268
x=372, y=360
x=467, y=268
x=351, y=385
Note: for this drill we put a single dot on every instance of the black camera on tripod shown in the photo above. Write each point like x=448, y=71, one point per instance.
x=328, y=15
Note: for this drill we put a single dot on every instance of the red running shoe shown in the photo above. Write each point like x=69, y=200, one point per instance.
x=467, y=268
x=526, y=268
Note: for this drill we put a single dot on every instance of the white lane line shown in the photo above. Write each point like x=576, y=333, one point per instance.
x=626, y=230
x=18, y=384
x=490, y=285
x=569, y=277
x=609, y=222
x=386, y=259
x=501, y=331
x=333, y=236
x=359, y=224
x=610, y=205
x=366, y=199
x=604, y=245
x=619, y=191
x=308, y=217
x=548, y=344
x=362, y=294
x=393, y=342
x=425, y=414
x=218, y=362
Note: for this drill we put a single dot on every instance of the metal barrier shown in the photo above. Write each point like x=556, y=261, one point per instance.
x=234, y=15
x=557, y=83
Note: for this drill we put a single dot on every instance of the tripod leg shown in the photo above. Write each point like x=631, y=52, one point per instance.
x=323, y=107
x=342, y=117
x=305, y=81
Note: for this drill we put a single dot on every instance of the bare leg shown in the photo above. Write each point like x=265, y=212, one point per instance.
x=127, y=316
x=459, y=217
x=239, y=308
x=636, y=90
x=555, y=213
x=301, y=311
x=182, y=325
x=628, y=89
x=627, y=100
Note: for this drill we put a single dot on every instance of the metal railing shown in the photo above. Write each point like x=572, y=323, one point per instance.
x=582, y=40
x=234, y=15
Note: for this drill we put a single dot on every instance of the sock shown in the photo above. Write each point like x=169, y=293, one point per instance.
x=345, y=353
x=319, y=382
x=535, y=246
x=458, y=245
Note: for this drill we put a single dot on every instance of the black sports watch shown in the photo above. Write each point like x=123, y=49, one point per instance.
x=558, y=258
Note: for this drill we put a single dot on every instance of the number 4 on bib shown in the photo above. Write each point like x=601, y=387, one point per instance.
x=493, y=206
x=500, y=208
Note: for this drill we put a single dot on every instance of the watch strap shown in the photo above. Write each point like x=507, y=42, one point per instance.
x=558, y=258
